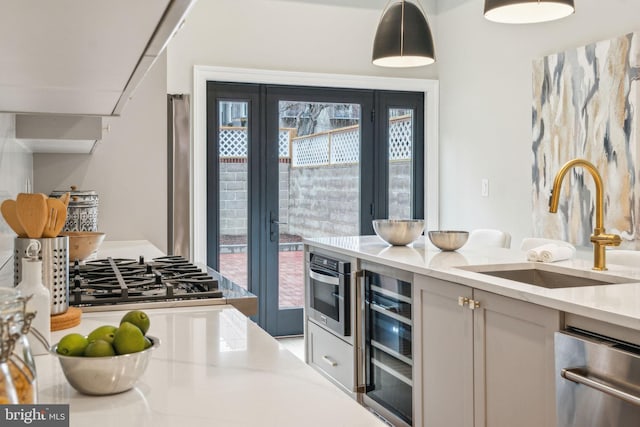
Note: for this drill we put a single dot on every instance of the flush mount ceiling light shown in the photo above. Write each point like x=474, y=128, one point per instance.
x=403, y=37
x=527, y=11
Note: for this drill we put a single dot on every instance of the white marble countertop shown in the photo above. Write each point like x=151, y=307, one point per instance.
x=128, y=249
x=214, y=367
x=616, y=303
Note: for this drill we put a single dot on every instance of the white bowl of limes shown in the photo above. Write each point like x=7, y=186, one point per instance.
x=110, y=359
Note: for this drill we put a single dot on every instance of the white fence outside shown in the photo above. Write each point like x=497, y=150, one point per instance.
x=235, y=140
x=335, y=147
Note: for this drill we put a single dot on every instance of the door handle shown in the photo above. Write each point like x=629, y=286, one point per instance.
x=577, y=376
x=273, y=226
x=329, y=280
x=329, y=361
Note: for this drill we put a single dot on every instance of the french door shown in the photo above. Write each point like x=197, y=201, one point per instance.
x=286, y=163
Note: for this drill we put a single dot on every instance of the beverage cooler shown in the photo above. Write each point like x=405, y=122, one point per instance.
x=388, y=363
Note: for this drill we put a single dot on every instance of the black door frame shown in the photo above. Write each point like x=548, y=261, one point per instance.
x=289, y=321
x=263, y=184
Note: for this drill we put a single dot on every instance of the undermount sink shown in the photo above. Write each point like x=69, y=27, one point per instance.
x=547, y=276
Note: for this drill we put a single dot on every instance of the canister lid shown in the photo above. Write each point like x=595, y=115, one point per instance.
x=77, y=202
x=74, y=192
x=85, y=198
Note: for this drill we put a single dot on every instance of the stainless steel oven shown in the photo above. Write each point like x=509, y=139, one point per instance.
x=329, y=293
x=597, y=380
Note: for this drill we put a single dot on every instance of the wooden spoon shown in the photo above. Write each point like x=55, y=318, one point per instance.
x=32, y=213
x=65, y=198
x=56, y=219
x=8, y=209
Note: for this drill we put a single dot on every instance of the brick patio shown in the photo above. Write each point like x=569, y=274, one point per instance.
x=291, y=275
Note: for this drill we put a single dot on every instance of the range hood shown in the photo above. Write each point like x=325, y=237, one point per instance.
x=52, y=133
x=80, y=57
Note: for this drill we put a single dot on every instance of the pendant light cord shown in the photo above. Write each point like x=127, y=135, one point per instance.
x=402, y=31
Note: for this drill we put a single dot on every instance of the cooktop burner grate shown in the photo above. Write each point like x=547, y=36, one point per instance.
x=118, y=280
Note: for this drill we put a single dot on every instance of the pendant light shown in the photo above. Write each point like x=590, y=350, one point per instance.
x=403, y=37
x=527, y=11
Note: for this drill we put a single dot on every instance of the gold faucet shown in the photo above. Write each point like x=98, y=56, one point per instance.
x=599, y=238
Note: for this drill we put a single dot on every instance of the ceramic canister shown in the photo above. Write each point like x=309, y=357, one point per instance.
x=82, y=212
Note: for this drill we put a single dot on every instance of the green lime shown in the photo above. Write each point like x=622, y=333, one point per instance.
x=128, y=339
x=72, y=345
x=138, y=318
x=99, y=348
x=106, y=332
x=147, y=343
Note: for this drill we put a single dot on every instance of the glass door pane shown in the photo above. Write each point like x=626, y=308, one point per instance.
x=399, y=155
x=388, y=337
x=400, y=145
x=319, y=183
x=233, y=143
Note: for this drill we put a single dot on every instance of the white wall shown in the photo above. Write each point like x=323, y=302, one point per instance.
x=128, y=168
x=484, y=70
x=16, y=176
x=485, y=120
x=485, y=74
x=320, y=36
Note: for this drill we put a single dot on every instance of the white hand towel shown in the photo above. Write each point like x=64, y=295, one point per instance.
x=549, y=253
x=558, y=253
x=535, y=254
x=532, y=255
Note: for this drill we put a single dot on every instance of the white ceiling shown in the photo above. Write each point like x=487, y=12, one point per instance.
x=432, y=6
x=76, y=56
x=71, y=56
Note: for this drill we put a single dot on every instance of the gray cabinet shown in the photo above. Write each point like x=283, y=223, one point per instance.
x=484, y=360
x=331, y=356
x=443, y=354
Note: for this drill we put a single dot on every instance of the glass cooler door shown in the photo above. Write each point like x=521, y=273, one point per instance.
x=388, y=328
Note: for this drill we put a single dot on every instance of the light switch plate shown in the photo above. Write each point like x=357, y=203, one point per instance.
x=485, y=187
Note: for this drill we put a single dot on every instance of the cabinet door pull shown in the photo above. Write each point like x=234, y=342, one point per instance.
x=473, y=304
x=329, y=361
x=462, y=301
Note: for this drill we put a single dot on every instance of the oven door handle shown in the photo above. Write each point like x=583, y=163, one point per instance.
x=577, y=376
x=329, y=280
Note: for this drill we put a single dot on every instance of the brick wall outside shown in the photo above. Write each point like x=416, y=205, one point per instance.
x=233, y=199
x=314, y=201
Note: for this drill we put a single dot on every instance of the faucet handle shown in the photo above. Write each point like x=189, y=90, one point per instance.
x=604, y=239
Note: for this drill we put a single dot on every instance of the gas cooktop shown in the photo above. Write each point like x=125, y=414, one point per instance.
x=120, y=281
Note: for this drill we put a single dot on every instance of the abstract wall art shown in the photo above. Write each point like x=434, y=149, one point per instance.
x=586, y=104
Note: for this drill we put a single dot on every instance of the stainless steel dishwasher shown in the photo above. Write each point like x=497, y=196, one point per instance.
x=597, y=381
